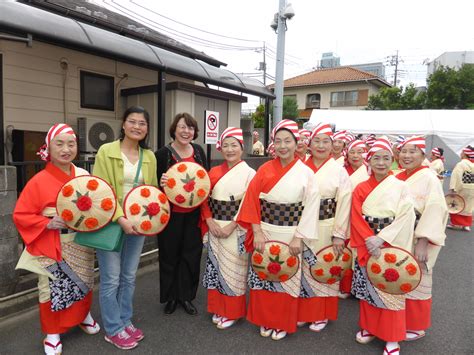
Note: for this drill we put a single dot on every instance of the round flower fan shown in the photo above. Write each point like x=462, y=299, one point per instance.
x=396, y=271
x=275, y=264
x=147, y=208
x=188, y=184
x=330, y=268
x=86, y=203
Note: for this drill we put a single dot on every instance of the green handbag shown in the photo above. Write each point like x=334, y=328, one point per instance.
x=110, y=237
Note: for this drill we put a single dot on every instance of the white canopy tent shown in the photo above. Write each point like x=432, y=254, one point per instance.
x=451, y=130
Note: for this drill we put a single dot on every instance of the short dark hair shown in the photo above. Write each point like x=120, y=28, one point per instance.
x=188, y=119
x=137, y=109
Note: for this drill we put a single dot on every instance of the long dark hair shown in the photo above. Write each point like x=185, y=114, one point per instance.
x=137, y=109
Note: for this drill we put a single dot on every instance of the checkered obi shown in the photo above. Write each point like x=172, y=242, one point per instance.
x=467, y=178
x=377, y=224
x=327, y=208
x=223, y=210
x=281, y=214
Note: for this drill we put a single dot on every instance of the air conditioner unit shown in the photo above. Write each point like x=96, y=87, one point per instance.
x=94, y=132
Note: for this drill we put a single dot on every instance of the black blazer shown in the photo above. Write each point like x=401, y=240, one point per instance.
x=164, y=159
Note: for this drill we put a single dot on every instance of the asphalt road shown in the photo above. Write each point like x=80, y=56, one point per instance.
x=452, y=331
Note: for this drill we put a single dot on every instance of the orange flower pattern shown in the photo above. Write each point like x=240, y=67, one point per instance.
x=375, y=268
x=145, y=225
x=331, y=281
x=182, y=168
x=381, y=286
x=67, y=215
x=171, y=183
x=257, y=258
x=319, y=272
x=162, y=198
x=346, y=257
x=275, y=249
x=283, y=277
x=201, y=174
x=406, y=287
x=107, y=204
x=291, y=261
x=135, y=209
x=67, y=190
x=145, y=192
x=201, y=193
x=390, y=258
x=164, y=218
x=92, y=184
x=262, y=275
x=411, y=269
x=328, y=257
x=91, y=222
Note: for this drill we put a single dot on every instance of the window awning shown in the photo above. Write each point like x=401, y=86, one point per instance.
x=18, y=18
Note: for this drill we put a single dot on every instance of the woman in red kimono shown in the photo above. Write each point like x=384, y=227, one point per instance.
x=357, y=169
x=65, y=269
x=382, y=214
x=225, y=276
x=431, y=218
x=280, y=204
x=462, y=183
x=318, y=302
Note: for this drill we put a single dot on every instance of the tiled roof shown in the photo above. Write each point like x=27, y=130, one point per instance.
x=331, y=76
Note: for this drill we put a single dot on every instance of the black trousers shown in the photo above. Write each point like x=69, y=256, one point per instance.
x=180, y=250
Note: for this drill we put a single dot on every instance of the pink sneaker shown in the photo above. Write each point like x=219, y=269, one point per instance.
x=135, y=333
x=122, y=340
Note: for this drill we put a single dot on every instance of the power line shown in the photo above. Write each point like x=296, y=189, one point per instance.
x=194, y=28
x=181, y=35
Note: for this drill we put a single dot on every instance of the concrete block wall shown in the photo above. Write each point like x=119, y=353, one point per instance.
x=8, y=234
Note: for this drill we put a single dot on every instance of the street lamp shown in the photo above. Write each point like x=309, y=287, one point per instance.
x=285, y=12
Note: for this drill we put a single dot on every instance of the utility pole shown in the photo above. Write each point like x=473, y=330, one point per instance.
x=264, y=65
x=394, y=61
x=280, y=63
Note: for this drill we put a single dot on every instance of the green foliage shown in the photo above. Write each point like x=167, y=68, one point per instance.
x=258, y=117
x=447, y=89
x=290, y=108
x=442, y=89
x=395, y=98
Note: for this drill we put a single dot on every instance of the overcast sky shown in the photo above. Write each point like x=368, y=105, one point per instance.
x=357, y=31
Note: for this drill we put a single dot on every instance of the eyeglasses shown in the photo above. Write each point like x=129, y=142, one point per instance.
x=183, y=127
x=140, y=124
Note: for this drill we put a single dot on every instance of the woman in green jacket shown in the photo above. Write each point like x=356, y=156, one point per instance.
x=117, y=163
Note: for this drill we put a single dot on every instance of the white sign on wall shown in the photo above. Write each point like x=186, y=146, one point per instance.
x=211, y=127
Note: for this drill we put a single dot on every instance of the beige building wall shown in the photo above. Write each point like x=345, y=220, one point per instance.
x=325, y=92
x=38, y=92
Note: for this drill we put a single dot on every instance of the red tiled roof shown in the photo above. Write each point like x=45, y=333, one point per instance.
x=330, y=76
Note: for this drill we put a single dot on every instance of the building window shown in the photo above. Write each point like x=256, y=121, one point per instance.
x=344, y=98
x=313, y=101
x=97, y=91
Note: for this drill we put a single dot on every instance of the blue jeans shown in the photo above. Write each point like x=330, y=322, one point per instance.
x=117, y=283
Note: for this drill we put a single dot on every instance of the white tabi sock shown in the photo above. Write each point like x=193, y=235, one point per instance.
x=53, y=338
x=88, y=320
